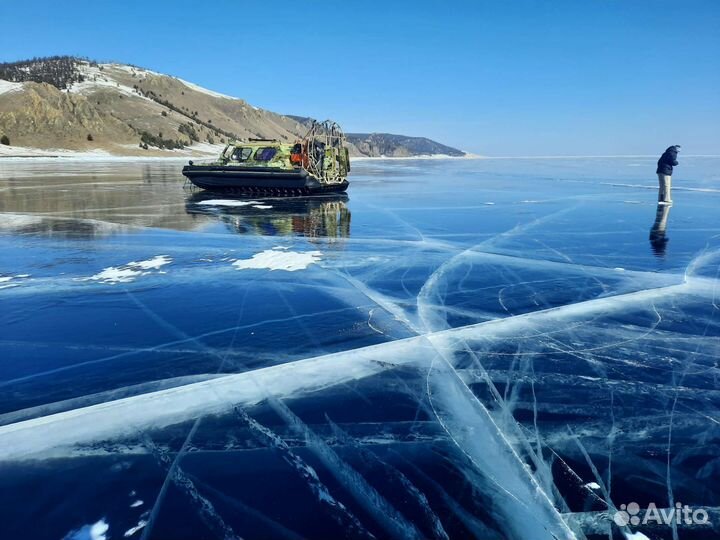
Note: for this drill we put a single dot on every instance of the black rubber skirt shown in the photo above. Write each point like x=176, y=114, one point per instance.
x=256, y=180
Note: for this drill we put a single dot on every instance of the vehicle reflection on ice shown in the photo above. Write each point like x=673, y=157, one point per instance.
x=313, y=217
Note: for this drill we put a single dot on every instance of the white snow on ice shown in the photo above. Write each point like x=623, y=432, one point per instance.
x=136, y=528
x=114, y=275
x=7, y=281
x=96, y=531
x=129, y=271
x=201, y=150
x=277, y=259
x=151, y=264
x=636, y=536
x=592, y=485
x=137, y=503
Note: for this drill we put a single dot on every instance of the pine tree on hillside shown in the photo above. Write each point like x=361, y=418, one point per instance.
x=59, y=71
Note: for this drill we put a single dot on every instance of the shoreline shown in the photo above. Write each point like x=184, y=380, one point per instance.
x=69, y=155
x=98, y=156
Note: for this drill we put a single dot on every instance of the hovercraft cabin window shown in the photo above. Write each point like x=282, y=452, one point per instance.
x=241, y=154
x=265, y=154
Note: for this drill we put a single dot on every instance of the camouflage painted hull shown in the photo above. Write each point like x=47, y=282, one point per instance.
x=258, y=180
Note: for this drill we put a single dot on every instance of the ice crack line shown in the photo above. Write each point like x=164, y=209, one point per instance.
x=124, y=416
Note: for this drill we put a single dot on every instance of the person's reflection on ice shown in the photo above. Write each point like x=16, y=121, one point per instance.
x=658, y=236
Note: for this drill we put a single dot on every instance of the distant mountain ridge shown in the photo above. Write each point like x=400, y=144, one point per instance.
x=389, y=145
x=77, y=104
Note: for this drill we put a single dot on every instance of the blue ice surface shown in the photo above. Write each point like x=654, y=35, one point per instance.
x=478, y=348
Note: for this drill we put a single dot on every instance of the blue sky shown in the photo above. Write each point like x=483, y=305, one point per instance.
x=497, y=78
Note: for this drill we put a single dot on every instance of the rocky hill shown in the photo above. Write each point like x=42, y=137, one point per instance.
x=77, y=104
x=386, y=144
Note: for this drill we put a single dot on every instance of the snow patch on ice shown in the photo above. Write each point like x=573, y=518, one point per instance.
x=5, y=281
x=114, y=274
x=21, y=152
x=136, y=528
x=592, y=485
x=40, y=154
x=129, y=271
x=137, y=503
x=261, y=206
x=96, y=531
x=151, y=264
x=635, y=536
x=227, y=202
x=279, y=259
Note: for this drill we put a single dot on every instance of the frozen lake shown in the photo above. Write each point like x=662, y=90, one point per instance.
x=497, y=348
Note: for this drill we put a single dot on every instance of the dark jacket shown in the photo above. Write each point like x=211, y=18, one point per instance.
x=667, y=161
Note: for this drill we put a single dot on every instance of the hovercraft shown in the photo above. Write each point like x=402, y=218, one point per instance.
x=317, y=163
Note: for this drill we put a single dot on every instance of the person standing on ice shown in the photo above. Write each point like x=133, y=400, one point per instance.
x=664, y=171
